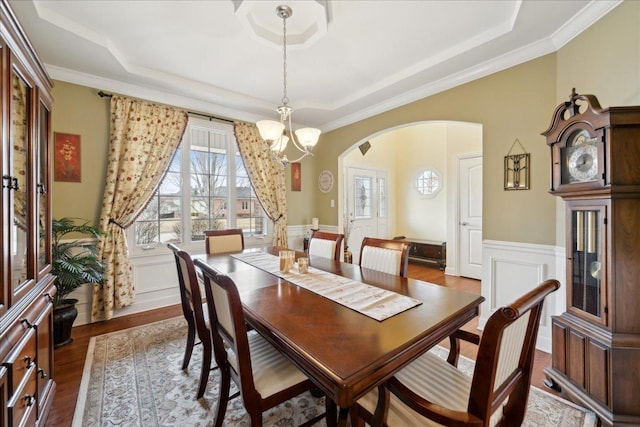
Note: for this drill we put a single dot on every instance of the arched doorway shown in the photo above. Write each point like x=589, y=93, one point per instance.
x=402, y=153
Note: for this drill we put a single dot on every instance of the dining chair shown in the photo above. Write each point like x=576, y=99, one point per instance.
x=221, y=241
x=196, y=314
x=265, y=378
x=325, y=244
x=431, y=391
x=388, y=256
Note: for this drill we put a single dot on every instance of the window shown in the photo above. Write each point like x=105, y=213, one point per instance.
x=428, y=183
x=196, y=194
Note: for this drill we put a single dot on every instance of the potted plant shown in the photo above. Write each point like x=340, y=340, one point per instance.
x=74, y=263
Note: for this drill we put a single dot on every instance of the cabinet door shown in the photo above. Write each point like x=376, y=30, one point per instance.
x=44, y=356
x=5, y=247
x=43, y=177
x=586, y=266
x=21, y=270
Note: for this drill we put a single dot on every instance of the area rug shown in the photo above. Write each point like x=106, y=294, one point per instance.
x=133, y=378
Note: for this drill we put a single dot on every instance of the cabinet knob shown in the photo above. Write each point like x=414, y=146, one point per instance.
x=28, y=361
x=42, y=373
x=48, y=297
x=464, y=223
x=28, y=324
x=30, y=399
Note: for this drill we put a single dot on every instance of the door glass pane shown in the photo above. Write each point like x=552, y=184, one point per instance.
x=362, y=199
x=586, y=262
x=43, y=190
x=382, y=197
x=19, y=176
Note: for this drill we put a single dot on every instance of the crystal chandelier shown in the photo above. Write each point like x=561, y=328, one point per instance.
x=272, y=131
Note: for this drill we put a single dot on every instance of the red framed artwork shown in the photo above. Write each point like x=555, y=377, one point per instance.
x=66, y=157
x=296, y=177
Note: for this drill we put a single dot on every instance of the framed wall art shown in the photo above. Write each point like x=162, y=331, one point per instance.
x=66, y=157
x=517, y=169
x=296, y=176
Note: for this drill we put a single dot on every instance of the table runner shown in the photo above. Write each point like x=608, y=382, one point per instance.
x=379, y=304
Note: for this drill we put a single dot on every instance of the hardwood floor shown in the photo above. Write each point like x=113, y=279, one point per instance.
x=69, y=360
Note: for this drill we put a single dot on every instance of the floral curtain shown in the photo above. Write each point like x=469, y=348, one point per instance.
x=144, y=137
x=267, y=177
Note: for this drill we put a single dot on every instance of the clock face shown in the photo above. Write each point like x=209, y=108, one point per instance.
x=583, y=163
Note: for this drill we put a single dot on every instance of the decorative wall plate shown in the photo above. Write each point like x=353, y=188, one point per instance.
x=325, y=181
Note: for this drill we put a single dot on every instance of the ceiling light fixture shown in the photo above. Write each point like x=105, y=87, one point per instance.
x=273, y=131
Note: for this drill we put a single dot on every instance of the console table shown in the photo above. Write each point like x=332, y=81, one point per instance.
x=428, y=251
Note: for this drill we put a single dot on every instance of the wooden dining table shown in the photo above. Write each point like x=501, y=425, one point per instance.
x=345, y=353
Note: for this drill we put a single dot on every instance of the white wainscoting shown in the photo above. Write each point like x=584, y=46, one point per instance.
x=512, y=269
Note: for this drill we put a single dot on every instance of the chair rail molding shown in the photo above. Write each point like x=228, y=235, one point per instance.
x=511, y=269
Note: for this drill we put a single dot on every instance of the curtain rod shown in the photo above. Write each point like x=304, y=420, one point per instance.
x=210, y=117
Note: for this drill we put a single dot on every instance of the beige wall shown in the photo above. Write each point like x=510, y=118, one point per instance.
x=515, y=103
x=79, y=110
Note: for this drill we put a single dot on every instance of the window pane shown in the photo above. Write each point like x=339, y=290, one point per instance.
x=204, y=189
x=363, y=196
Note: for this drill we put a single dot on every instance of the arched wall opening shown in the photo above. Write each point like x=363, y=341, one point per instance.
x=402, y=153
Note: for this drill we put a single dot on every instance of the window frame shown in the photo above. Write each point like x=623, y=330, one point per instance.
x=197, y=246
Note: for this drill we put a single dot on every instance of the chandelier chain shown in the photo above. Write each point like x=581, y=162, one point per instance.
x=285, y=98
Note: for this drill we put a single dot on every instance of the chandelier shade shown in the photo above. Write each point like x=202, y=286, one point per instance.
x=308, y=137
x=270, y=130
x=273, y=132
x=280, y=144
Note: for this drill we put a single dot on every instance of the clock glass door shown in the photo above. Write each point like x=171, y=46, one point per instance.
x=586, y=265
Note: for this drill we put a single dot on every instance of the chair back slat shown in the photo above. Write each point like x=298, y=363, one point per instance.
x=511, y=348
x=380, y=259
x=190, y=295
x=505, y=358
x=224, y=241
x=228, y=327
x=326, y=245
x=388, y=256
x=322, y=248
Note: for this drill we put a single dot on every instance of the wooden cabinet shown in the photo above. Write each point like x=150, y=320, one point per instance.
x=26, y=284
x=596, y=342
x=428, y=251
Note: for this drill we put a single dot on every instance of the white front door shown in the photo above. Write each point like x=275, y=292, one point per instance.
x=367, y=211
x=470, y=225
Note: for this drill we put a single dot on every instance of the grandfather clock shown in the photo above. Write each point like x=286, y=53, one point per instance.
x=595, y=163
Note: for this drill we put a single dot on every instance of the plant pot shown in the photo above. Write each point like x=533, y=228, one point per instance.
x=63, y=317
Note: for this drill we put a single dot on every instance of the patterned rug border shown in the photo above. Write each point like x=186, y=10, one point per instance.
x=88, y=362
x=590, y=419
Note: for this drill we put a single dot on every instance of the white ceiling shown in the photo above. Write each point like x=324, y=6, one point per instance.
x=360, y=57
